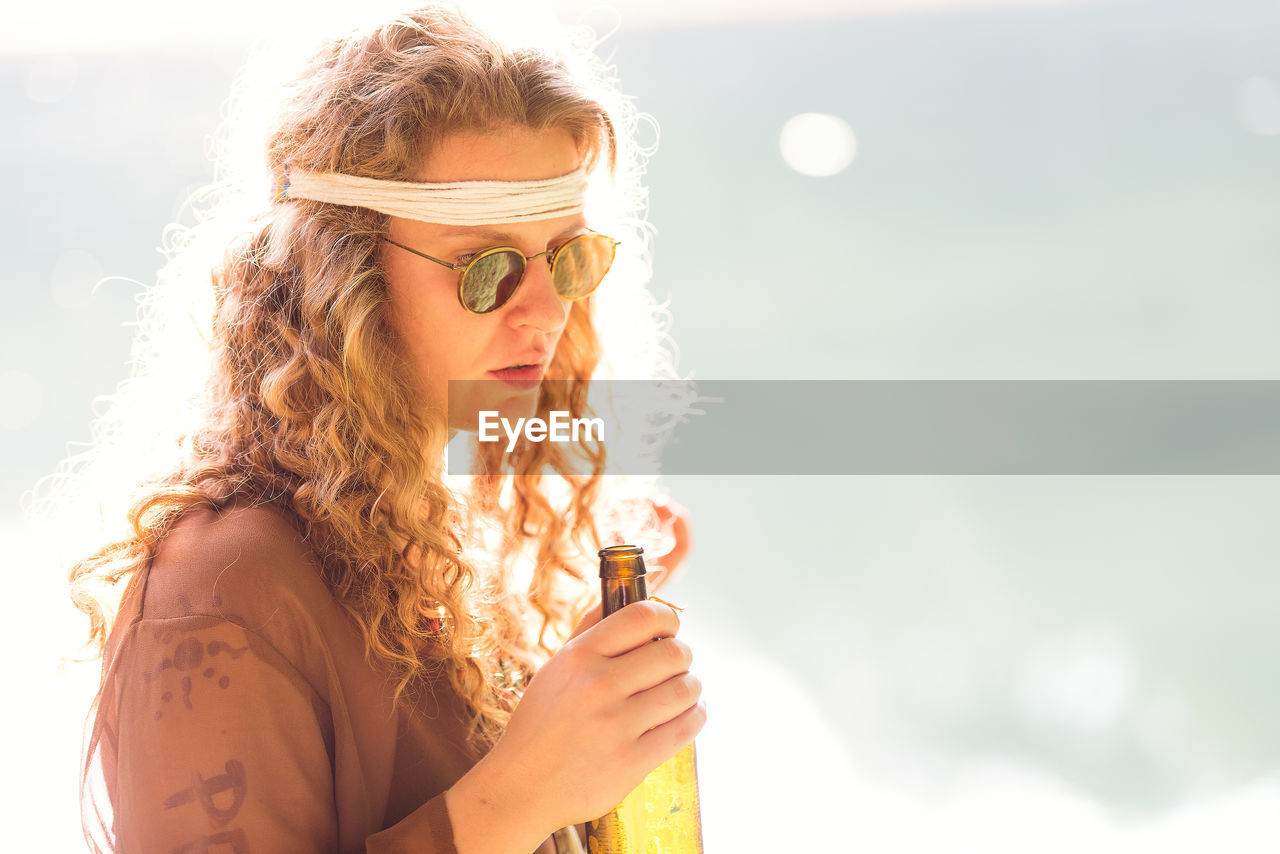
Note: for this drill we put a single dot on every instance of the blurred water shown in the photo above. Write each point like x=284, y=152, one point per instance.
x=1080, y=191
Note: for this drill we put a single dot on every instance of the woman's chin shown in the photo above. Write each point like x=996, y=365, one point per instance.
x=490, y=402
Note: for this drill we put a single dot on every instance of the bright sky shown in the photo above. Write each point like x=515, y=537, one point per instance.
x=78, y=25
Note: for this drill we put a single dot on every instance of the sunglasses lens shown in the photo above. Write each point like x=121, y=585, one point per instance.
x=580, y=265
x=491, y=280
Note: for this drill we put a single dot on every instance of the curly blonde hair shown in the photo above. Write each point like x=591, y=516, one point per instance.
x=309, y=404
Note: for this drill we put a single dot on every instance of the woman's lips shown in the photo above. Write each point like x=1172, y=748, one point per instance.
x=523, y=377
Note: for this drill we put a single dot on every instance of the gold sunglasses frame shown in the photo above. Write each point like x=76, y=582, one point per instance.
x=551, y=263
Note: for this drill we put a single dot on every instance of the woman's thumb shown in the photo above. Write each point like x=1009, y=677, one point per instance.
x=589, y=619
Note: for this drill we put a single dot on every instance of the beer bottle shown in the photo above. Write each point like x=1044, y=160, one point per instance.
x=661, y=816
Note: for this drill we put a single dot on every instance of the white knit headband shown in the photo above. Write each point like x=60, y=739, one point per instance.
x=458, y=203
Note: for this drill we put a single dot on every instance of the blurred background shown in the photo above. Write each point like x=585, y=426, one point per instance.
x=843, y=190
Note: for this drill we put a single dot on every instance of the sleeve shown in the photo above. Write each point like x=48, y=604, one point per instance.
x=426, y=830
x=221, y=747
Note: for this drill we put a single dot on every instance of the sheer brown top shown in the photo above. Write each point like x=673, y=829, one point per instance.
x=238, y=712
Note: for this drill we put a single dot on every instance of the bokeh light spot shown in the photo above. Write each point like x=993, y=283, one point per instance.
x=1083, y=685
x=817, y=144
x=20, y=399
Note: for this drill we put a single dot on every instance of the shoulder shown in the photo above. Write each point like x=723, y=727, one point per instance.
x=232, y=563
x=250, y=570
x=260, y=532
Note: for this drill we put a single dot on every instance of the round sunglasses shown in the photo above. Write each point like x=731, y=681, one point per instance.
x=490, y=278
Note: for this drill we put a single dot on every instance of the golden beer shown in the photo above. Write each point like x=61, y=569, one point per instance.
x=661, y=816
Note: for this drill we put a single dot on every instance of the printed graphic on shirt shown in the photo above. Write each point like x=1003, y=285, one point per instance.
x=235, y=840
x=191, y=656
x=212, y=794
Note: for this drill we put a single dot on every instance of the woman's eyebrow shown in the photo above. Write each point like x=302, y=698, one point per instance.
x=478, y=234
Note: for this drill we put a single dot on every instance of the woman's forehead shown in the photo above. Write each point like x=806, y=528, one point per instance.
x=514, y=153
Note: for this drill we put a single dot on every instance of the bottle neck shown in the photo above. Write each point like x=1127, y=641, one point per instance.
x=617, y=593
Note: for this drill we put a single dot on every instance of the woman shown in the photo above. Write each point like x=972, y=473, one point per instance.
x=321, y=642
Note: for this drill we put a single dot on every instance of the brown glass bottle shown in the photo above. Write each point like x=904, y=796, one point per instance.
x=661, y=816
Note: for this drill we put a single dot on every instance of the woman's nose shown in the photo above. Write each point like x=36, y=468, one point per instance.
x=536, y=302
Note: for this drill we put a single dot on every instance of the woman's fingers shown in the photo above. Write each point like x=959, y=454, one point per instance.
x=589, y=619
x=666, y=740
x=674, y=518
x=664, y=702
x=630, y=628
x=655, y=577
x=651, y=664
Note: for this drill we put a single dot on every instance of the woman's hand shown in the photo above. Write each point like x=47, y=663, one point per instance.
x=608, y=708
x=674, y=521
